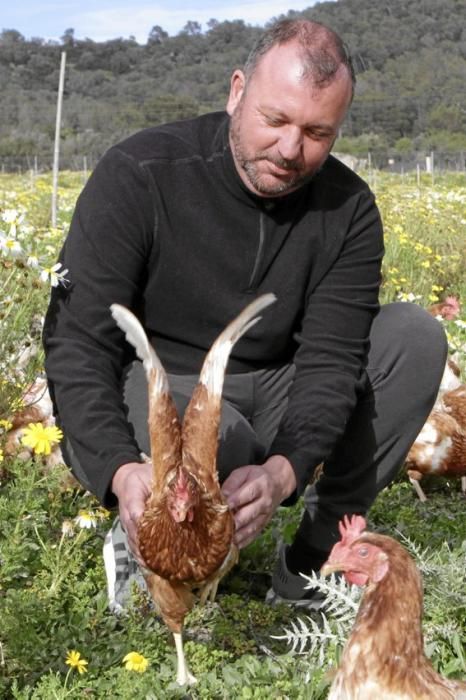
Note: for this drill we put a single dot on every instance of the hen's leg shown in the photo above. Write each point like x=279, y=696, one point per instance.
x=209, y=590
x=418, y=489
x=183, y=675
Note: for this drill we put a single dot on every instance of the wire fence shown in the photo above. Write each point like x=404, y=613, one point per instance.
x=392, y=162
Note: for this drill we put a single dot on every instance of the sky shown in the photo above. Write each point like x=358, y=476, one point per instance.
x=108, y=19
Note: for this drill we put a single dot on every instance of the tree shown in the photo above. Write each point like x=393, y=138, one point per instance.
x=11, y=36
x=192, y=28
x=68, y=39
x=157, y=35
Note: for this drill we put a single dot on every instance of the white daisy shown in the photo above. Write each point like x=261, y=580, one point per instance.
x=55, y=276
x=86, y=519
x=10, y=246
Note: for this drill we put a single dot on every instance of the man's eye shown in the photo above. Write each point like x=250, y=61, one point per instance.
x=318, y=135
x=271, y=121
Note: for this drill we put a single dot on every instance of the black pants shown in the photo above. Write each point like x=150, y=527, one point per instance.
x=406, y=360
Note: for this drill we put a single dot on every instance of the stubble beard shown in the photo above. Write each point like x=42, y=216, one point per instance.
x=250, y=165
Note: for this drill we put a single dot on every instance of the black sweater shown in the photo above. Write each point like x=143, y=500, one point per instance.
x=166, y=227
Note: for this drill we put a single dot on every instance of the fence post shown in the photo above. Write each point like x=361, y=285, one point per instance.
x=56, y=149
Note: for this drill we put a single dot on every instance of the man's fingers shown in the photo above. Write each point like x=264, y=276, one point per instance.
x=247, y=493
x=130, y=526
x=235, y=480
x=247, y=533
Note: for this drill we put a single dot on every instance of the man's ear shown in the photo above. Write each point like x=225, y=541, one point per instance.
x=237, y=85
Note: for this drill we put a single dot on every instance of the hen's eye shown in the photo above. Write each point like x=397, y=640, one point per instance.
x=363, y=552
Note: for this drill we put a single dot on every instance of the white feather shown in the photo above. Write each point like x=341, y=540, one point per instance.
x=213, y=369
x=136, y=335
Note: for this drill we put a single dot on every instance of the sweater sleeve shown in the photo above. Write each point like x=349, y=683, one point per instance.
x=106, y=254
x=332, y=346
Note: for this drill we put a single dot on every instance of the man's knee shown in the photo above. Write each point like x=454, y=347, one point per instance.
x=411, y=332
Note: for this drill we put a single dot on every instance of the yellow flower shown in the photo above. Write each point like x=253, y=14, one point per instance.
x=41, y=439
x=425, y=264
x=5, y=425
x=436, y=288
x=135, y=662
x=102, y=513
x=433, y=297
x=74, y=660
x=1, y=455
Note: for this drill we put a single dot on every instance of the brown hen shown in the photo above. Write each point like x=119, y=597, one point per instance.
x=186, y=531
x=384, y=657
x=440, y=447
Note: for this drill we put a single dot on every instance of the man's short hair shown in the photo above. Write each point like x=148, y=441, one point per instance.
x=323, y=51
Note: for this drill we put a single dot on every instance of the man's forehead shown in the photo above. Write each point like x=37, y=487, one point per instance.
x=288, y=55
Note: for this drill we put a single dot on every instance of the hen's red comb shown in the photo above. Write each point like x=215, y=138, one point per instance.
x=351, y=528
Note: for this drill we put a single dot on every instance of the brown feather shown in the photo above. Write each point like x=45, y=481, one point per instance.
x=455, y=404
x=200, y=439
x=177, y=598
x=187, y=551
x=165, y=436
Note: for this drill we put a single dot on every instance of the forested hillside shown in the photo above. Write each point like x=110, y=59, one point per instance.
x=410, y=58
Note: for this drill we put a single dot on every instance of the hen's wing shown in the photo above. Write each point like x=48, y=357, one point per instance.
x=164, y=425
x=202, y=416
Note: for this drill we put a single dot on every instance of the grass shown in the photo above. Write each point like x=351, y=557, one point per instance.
x=52, y=583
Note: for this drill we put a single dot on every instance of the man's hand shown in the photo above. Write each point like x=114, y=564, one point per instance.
x=254, y=492
x=131, y=484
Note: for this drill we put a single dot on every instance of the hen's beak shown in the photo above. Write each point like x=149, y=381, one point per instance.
x=330, y=567
x=182, y=512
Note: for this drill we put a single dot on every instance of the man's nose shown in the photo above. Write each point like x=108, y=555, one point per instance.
x=291, y=142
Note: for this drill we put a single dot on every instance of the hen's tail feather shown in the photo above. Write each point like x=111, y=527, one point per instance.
x=136, y=335
x=213, y=369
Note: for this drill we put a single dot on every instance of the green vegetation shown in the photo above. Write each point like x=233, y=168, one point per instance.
x=52, y=583
x=410, y=57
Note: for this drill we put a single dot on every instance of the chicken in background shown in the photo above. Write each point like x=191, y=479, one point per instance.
x=37, y=408
x=447, y=309
x=186, y=531
x=384, y=656
x=440, y=447
x=451, y=379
